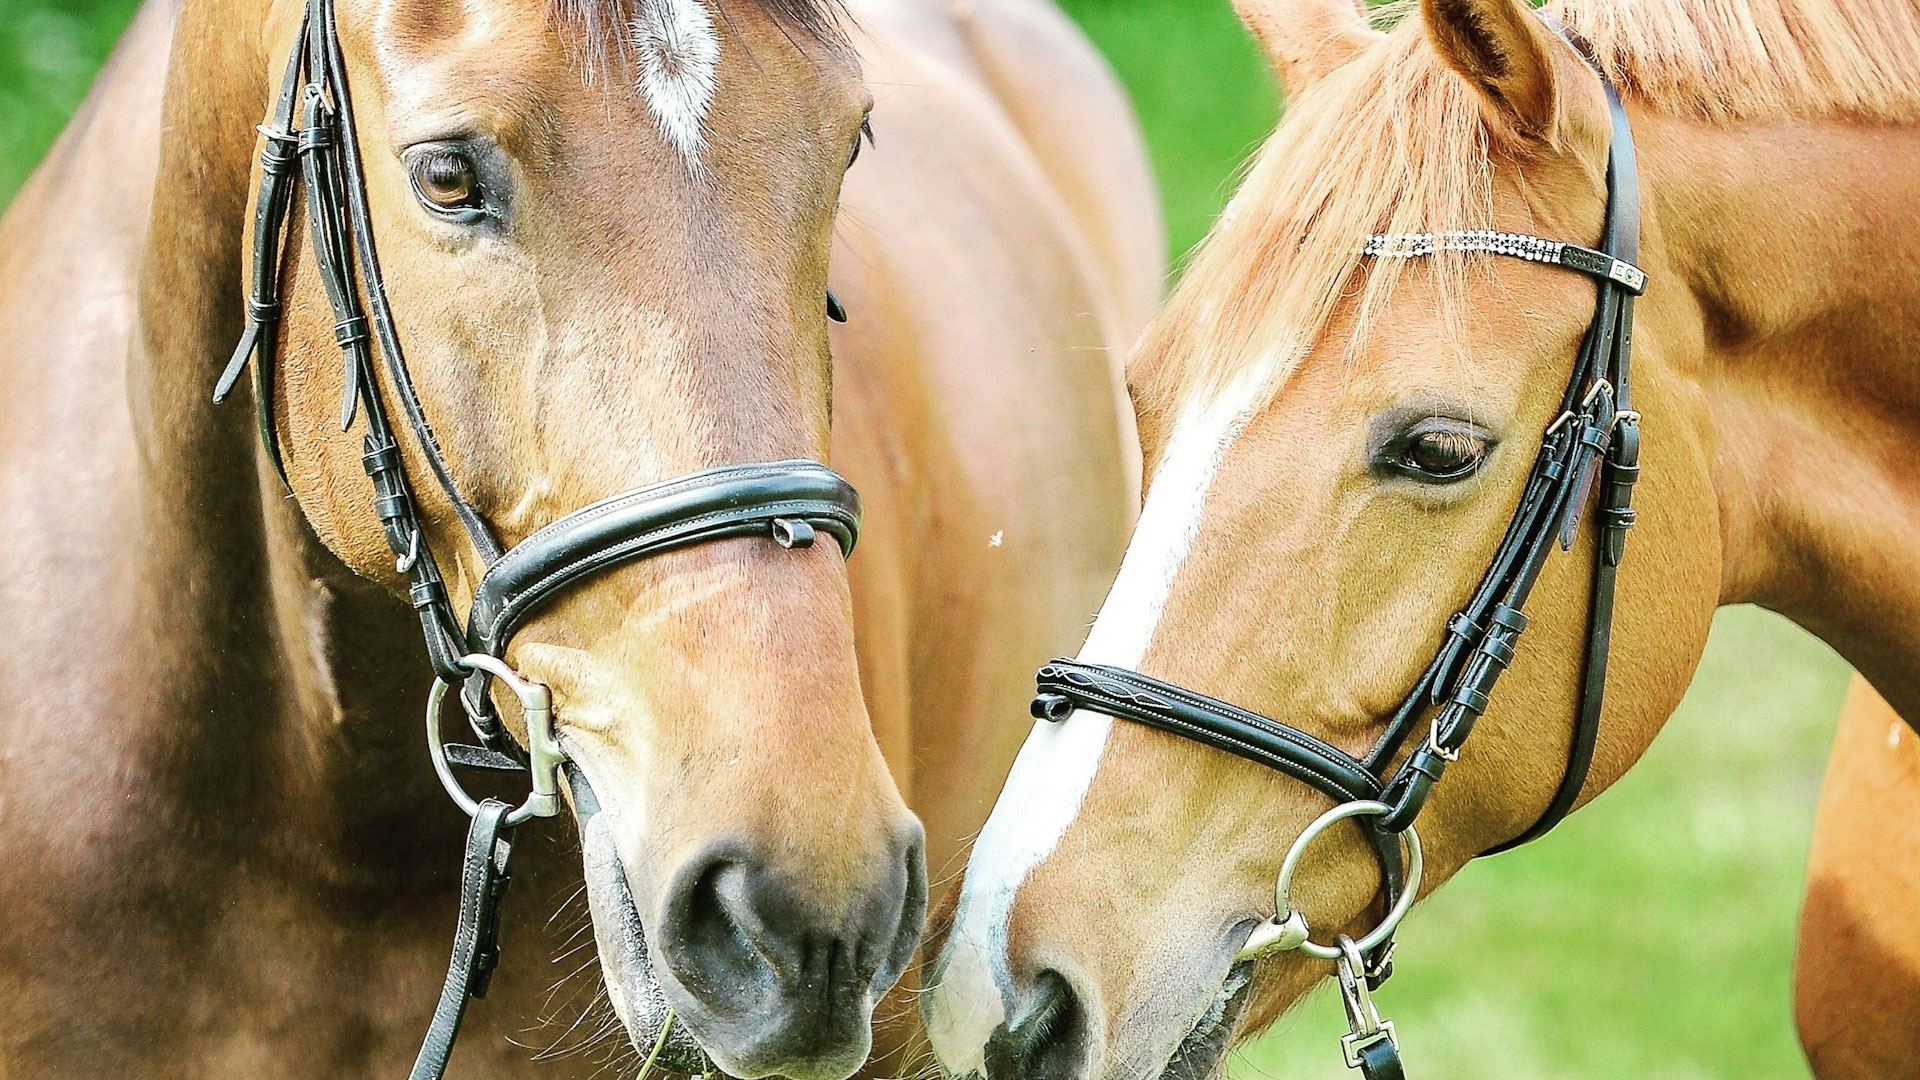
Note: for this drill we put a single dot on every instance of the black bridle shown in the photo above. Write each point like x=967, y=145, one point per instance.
x=310, y=140
x=1595, y=435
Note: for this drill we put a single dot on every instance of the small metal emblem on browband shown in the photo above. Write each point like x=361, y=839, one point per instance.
x=1513, y=245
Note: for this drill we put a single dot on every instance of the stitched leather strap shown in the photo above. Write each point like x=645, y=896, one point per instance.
x=476, y=938
x=278, y=164
x=1064, y=685
x=1617, y=475
x=734, y=500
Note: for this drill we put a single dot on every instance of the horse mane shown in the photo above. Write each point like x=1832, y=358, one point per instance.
x=1734, y=60
x=1394, y=141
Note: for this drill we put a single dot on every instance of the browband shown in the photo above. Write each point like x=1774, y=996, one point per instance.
x=1513, y=245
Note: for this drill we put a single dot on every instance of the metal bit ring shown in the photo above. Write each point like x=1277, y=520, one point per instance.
x=543, y=751
x=1287, y=930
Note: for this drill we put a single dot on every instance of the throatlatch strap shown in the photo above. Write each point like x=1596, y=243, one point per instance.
x=476, y=938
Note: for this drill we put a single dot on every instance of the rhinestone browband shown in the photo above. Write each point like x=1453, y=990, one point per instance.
x=1513, y=245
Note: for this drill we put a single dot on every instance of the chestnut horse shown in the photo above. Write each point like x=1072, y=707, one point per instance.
x=605, y=227
x=1339, y=442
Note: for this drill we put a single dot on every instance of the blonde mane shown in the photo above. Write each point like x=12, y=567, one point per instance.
x=1394, y=141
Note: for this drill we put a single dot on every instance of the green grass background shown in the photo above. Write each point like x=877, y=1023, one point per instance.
x=1651, y=936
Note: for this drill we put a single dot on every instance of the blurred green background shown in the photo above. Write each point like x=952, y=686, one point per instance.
x=1649, y=937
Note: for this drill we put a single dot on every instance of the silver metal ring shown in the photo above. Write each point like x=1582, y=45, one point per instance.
x=544, y=754
x=1287, y=930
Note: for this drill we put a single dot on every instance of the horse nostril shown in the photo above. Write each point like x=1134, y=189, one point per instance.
x=708, y=920
x=911, y=907
x=1048, y=1037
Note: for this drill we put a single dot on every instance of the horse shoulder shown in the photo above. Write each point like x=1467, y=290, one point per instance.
x=70, y=248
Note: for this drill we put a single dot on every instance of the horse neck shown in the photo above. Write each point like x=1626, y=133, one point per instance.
x=1795, y=240
x=288, y=685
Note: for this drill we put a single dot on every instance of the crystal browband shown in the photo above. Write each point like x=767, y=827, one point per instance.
x=1514, y=245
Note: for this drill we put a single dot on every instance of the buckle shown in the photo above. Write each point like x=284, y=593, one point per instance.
x=1436, y=747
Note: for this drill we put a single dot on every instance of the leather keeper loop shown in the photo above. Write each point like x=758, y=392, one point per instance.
x=1471, y=698
x=277, y=158
x=1499, y=648
x=262, y=311
x=349, y=332
x=1053, y=708
x=427, y=594
x=318, y=135
x=1512, y=618
x=390, y=507
x=1622, y=477
x=381, y=460
x=792, y=533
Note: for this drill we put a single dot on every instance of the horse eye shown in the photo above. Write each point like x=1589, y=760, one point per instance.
x=1441, y=453
x=447, y=182
x=864, y=135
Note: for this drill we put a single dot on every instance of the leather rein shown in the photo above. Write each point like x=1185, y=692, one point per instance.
x=1594, y=438
x=310, y=139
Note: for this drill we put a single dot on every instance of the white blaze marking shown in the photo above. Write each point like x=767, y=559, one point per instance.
x=1057, y=763
x=678, y=54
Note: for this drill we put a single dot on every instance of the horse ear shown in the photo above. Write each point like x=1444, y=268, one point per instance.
x=1306, y=39
x=1506, y=52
